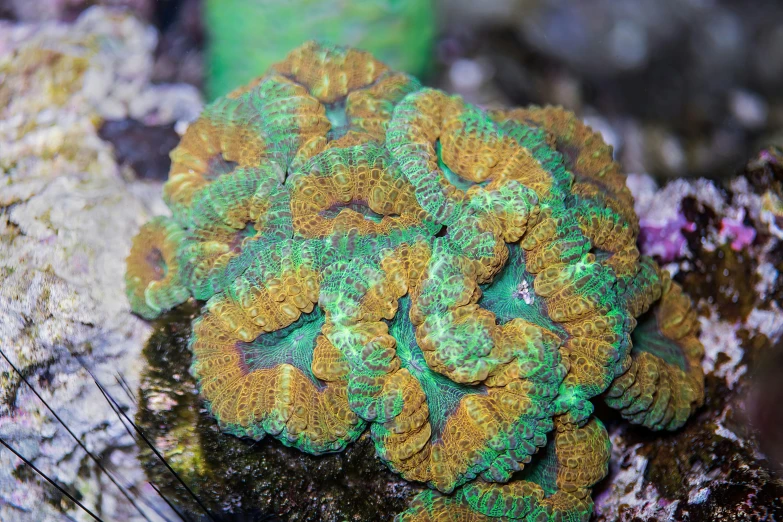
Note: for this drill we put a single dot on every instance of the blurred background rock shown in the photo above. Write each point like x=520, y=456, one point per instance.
x=680, y=87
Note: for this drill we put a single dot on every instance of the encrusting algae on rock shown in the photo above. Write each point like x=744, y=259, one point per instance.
x=465, y=282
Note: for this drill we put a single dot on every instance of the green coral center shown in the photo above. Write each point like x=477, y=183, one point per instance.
x=452, y=177
x=241, y=235
x=646, y=337
x=292, y=345
x=338, y=118
x=443, y=394
x=542, y=470
x=511, y=294
x=218, y=166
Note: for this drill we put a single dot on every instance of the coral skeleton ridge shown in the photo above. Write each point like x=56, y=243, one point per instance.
x=463, y=282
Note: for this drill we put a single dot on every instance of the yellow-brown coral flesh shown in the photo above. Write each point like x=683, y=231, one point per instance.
x=664, y=383
x=556, y=487
x=328, y=73
x=152, y=280
x=338, y=187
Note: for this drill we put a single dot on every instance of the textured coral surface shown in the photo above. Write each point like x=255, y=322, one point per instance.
x=465, y=282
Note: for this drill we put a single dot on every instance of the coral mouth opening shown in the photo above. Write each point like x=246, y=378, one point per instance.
x=600, y=254
x=452, y=177
x=358, y=206
x=338, y=118
x=218, y=165
x=157, y=264
x=240, y=236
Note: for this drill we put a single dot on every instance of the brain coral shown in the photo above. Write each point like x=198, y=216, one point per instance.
x=466, y=282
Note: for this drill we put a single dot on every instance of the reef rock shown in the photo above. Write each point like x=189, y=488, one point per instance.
x=68, y=212
x=723, y=244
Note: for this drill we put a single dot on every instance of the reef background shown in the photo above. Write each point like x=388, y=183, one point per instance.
x=680, y=90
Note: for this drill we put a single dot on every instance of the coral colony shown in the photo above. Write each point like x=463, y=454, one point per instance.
x=463, y=282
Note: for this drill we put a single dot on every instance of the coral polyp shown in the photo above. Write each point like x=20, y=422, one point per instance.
x=272, y=121
x=664, y=383
x=353, y=188
x=555, y=487
x=153, y=281
x=464, y=282
x=271, y=385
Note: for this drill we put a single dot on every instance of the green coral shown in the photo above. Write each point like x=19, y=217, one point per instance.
x=465, y=282
x=401, y=33
x=153, y=281
x=554, y=487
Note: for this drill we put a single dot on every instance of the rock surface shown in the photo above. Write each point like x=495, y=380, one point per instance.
x=723, y=245
x=68, y=211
